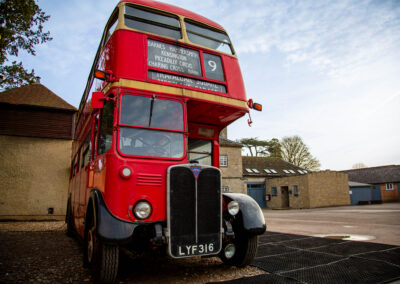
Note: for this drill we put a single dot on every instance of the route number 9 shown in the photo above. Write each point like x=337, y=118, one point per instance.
x=212, y=64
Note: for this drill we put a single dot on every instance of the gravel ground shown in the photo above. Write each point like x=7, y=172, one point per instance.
x=40, y=252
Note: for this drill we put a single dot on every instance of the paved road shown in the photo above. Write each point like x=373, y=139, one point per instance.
x=378, y=223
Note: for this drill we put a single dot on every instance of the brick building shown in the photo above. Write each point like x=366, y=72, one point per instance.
x=386, y=179
x=35, y=152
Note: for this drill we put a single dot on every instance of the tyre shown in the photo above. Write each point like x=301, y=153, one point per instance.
x=69, y=220
x=100, y=257
x=246, y=250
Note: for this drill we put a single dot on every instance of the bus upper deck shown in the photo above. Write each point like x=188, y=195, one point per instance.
x=159, y=48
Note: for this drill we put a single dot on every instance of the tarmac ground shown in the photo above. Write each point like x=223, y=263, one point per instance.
x=378, y=223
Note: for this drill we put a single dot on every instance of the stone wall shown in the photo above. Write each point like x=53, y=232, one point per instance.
x=319, y=189
x=328, y=188
x=295, y=201
x=33, y=177
x=232, y=174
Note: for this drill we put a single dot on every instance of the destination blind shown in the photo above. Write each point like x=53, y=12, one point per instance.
x=173, y=58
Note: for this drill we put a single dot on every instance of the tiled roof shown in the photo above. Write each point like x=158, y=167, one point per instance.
x=34, y=95
x=224, y=142
x=358, y=184
x=269, y=167
x=383, y=174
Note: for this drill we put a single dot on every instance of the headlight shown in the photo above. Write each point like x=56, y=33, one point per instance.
x=142, y=210
x=233, y=208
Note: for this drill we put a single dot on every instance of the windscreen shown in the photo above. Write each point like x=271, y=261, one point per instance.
x=151, y=112
x=154, y=114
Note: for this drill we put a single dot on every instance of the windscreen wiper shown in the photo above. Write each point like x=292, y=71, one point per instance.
x=151, y=108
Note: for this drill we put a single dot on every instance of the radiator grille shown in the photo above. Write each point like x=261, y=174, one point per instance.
x=194, y=210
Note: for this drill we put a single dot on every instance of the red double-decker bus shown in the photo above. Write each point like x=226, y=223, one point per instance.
x=145, y=163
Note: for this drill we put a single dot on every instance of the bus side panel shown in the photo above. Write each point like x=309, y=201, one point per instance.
x=124, y=54
x=235, y=81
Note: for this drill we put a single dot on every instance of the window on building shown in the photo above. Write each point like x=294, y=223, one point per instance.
x=267, y=171
x=292, y=171
x=300, y=171
x=274, y=191
x=225, y=188
x=249, y=170
x=256, y=171
x=286, y=171
x=389, y=186
x=295, y=190
x=223, y=160
x=272, y=170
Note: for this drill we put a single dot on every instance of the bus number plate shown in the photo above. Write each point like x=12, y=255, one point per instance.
x=191, y=250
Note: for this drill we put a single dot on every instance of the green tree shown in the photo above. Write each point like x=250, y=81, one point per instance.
x=296, y=152
x=255, y=146
x=21, y=28
x=274, y=148
x=262, y=148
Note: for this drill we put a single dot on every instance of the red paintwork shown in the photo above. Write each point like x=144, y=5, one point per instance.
x=125, y=56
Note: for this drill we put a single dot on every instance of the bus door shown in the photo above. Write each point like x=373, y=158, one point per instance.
x=83, y=178
x=103, y=144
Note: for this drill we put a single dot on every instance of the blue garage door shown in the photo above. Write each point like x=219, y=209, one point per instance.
x=257, y=191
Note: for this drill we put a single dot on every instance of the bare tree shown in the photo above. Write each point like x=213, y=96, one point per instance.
x=296, y=152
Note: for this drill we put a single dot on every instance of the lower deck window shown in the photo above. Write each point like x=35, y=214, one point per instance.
x=200, y=151
x=151, y=143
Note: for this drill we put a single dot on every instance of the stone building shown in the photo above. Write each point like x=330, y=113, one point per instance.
x=275, y=183
x=231, y=166
x=35, y=152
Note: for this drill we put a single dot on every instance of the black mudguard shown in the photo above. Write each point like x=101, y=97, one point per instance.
x=109, y=228
x=252, y=215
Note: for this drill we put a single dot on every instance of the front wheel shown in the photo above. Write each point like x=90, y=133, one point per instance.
x=102, y=258
x=246, y=249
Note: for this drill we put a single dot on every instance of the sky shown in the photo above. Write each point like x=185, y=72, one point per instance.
x=328, y=71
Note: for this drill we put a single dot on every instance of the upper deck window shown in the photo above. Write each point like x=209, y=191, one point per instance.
x=152, y=22
x=112, y=27
x=151, y=112
x=207, y=37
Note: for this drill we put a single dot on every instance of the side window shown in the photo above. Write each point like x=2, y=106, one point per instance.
x=106, y=128
x=111, y=28
x=85, y=151
x=274, y=191
x=200, y=151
